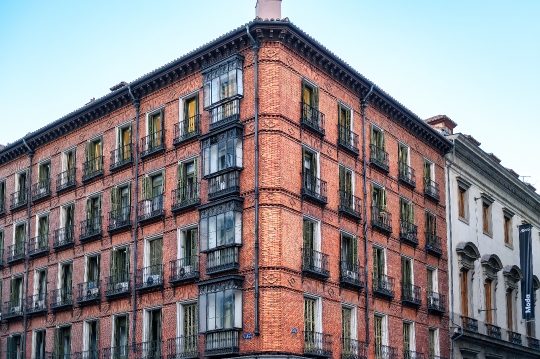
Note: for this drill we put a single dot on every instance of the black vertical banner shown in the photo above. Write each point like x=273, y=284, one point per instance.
x=525, y=257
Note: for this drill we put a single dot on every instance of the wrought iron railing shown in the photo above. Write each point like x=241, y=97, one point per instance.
x=514, y=338
x=312, y=118
x=350, y=204
x=119, y=218
x=16, y=251
x=385, y=352
x=493, y=331
x=383, y=285
x=36, y=303
x=533, y=343
x=318, y=344
x=353, y=349
x=469, y=324
x=152, y=143
x=12, y=309
x=89, y=291
x=315, y=262
x=184, y=268
x=183, y=347
x=64, y=237
x=148, y=350
x=224, y=184
x=121, y=156
x=118, y=284
x=381, y=218
x=55, y=355
x=66, y=179
x=92, y=168
x=410, y=294
x=433, y=243
x=406, y=174
x=62, y=297
x=149, y=277
x=351, y=273
x=348, y=138
x=151, y=208
x=409, y=354
x=222, y=259
x=379, y=157
x=39, y=244
x=186, y=129
x=41, y=189
x=88, y=354
x=185, y=196
x=118, y=352
x=18, y=199
x=222, y=343
x=436, y=301
x=224, y=114
x=431, y=188
x=90, y=228
x=314, y=187
x=408, y=232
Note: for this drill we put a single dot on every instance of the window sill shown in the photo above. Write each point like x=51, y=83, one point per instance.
x=509, y=245
x=464, y=220
x=490, y=235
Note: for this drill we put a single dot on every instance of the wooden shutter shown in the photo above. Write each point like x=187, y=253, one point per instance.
x=487, y=293
x=383, y=199
x=354, y=250
x=315, y=99
x=115, y=200
x=193, y=242
x=431, y=340
x=406, y=271
x=341, y=178
x=88, y=208
x=430, y=280
x=348, y=181
x=376, y=263
x=346, y=323
x=156, y=252
x=378, y=332
x=410, y=209
x=57, y=347
x=406, y=336
x=308, y=234
x=146, y=188
x=181, y=175
x=195, y=170
x=509, y=311
x=190, y=321
x=464, y=293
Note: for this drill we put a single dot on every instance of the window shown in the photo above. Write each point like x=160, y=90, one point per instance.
x=462, y=202
x=409, y=345
x=153, y=260
x=121, y=204
x=433, y=341
x=432, y=282
x=221, y=226
x=312, y=324
x=222, y=152
x=153, y=187
x=311, y=234
x=346, y=183
x=380, y=217
x=152, y=333
x=381, y=336
x=223, y=82
x=345, y=124
x=154, y=129
x=120, y=337
x=188, y=250
x=16, y=294
x=220, y=306
x=507, y=230
x=42, y=240
x=403, y=155
x=406, y=271
x=431, y=223
x=14, y=347
x=93, y=215
x=65, y=286
x=124, y=143
x=90, y=339
x=19, y=238
x=406, y=173
x=44, y=178
x=485, y=217
x=406, y=215
x=464, y=279
x=91, y=275
x=189, y=117
x=347, y=327
x=120, y=260
x=186, y=343
x=509, y=310
x=310, y=96
x=379, y=264
x=20, y=195
x=377, y=139
x=310, y=170
x=67, y=220
x=94, y=156
x=188, y=185
x=38, y=344
x=40, y=288
x=67, y=177
x=488, y=300
x=62, y=342
x=2, y=196
x=429, y=172
x=378, y=197
x=349, y=256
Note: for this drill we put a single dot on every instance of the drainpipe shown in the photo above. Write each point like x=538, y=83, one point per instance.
x=28, y=226
x=136, y=103
x=256, y=47
x=363, y=106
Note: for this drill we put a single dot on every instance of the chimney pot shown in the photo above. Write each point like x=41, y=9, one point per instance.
x=268, y=9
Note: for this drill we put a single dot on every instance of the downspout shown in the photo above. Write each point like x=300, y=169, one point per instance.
x=29, y=224
x=256, y=47
x=136, y=103
x=363, y=106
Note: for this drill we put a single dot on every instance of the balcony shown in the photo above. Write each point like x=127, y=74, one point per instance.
x=148, y=350
x=119, y=219
x=406, y=174
x=89, y=354
x=119, y=352
x=383, y=286
x=151, y=209
x=436, y=303
x=385, y=352
x=348, y=140
x=410, y=295
x=16, y=252
x=18, y=200
x=149, y=278
x=66, y=180
x=223, y=185
x=493, y=331
x=41, y=190
x=222, y=343
x=184, y=269
x=381, y=219
x=49, y=355
x=61, y=298
x=315, y=263
x=409, y=354
x=185, y=347
x=408, y=232
x=91, y=229
x=313, y=189
x=118, y=285
x=36, y=304
x=431, y=189
x=350, y=205
x=514, y=338
x=222, y=260
x=353, y=349
x=89, y=292
x=12, y=310
x=351, y=275
x=92, y=169
x=185, y=197
x=152, y=144
x=121, y=157
x=436, y=357
x=317, y=344
x=379, y=158
x=38, y=246
x=64, y=237
x=187, y=129
x=533, y=343
x=469, y=324
x=225, y=114
x=433, y=244
x=312, y=119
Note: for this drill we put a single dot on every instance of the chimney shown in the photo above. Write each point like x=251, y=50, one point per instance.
x=268, y=9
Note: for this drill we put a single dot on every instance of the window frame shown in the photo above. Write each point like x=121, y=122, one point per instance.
x=212, y=77
x=316, y=232
x=231, y=283
x=205, y=214
x=210, y=152
x=411, y=263
x=182, y=240
x=318, y=322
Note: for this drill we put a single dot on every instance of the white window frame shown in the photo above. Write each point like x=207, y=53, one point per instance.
x=86, y=258
x=113, y=328
x=378, y=246
x=146, y=324
x=63, y=210
x=17, y=175
x=404, y=145
x=384, y=329
x=153, y=112
x=317, y=158
x=181, y=238
x=85, y=338
x=36, y=278
x=435, y=278
x=431, y=168
x=437, y=343
x=38, y=217
x=59, y=282
x=34, y=340
x=17, y=224
x=353, y=174
x=317, y=235
x=118, y=130
x=318, y=311
x=182, y=100
x=147, y=240
x=64, y=156
x=354, y=326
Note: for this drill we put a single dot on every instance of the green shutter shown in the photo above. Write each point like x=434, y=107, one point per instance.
x=308, y=234
x=342, y=178
x=88, y=208
x=181, y=178
x=354, y=250
x=56, y=345
x=115, y=200
x=375, y=264
x=346, y=323
x=193, y=242
x=315, y=100
x=114, y=263
x=195, y=170
x=146, y=188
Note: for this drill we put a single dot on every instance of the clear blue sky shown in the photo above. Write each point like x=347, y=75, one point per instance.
x=476, y=61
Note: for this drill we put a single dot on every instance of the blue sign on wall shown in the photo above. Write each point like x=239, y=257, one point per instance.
x=248, y=336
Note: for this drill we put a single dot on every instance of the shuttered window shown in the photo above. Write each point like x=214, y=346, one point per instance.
x=464, y=292
x=488, y=294
x=509, y=310
x=309, y=228
x=431, y=223
x=378, y=324
x=406, y=212
x=403, y=154
x=349, y=249
x=406, y=271
x=377, y=138
x=378, y=262
x=190, y=319
x=406, y=336
x=461, y=202
x=346, y=323
x=309, y=314
x=345, y=179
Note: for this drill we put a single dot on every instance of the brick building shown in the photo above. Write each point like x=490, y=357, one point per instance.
x=129, y=225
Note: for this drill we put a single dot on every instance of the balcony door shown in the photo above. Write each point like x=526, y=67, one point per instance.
x=91, y=339
x=62, y=343
x=155, y=128
x=153, y=333
x=120, y=338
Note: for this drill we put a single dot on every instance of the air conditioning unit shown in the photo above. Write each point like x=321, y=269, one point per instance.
x=121, y=286
x=39, y=304
x=92, y=292
x=153, y=279
x=185, y=270
x=15, y=310
x=430, y=300
x=351, y=274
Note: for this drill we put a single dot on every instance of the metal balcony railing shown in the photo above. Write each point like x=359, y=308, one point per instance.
x=88, y=354
x=353, y=349
x=410, y=294
x=436, y=357
x=41, y=190
x=153, y=143
x=151, y=208
x=16, y=252
x=225, y=114
x=118, y=284
x=318, y=344
x=120, y=218
x=514, y=338
x=66, y=179
x=350, y=205
x=224, y=184
x=36, y=303
x=351, y=274
x=64, y=237
x=187, y=129
x=118, y=352
x=431, y=189
x=148, y=350
x=408, y=232
x=49, y=355
x=533, y=343
x=61, y=298
x=313, y=188
x=184, y=269
x=185, y=197
x=381, y=219
x=149, y=277
x=312, y=118
x=185, y=347
x=433, y=244
x=90, y=229
x=222, y=343
x=379, y=158
x=385, y=352
x=12, y=309
x=38, y=245
x=436, y=302
x=89, y=291
x=92, y=168
x=406, y=174
x=493, y=331
x=315, y=263
x=409, y=354
x=348, y=139
x=469, y=324
x=18, y=199
x=383, y=285
x=223, y=259
x=121, y=156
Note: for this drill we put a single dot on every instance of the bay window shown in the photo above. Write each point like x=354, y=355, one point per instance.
x=222, y=152
x=220, y=304
x=223, y=81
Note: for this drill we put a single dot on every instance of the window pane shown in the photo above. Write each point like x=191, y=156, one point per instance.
x=212, y=240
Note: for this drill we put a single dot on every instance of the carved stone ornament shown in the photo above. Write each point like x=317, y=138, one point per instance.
x=467, y=254
x=221, y=208
x=221, y=286
x=512, y=277
x=491, y=265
